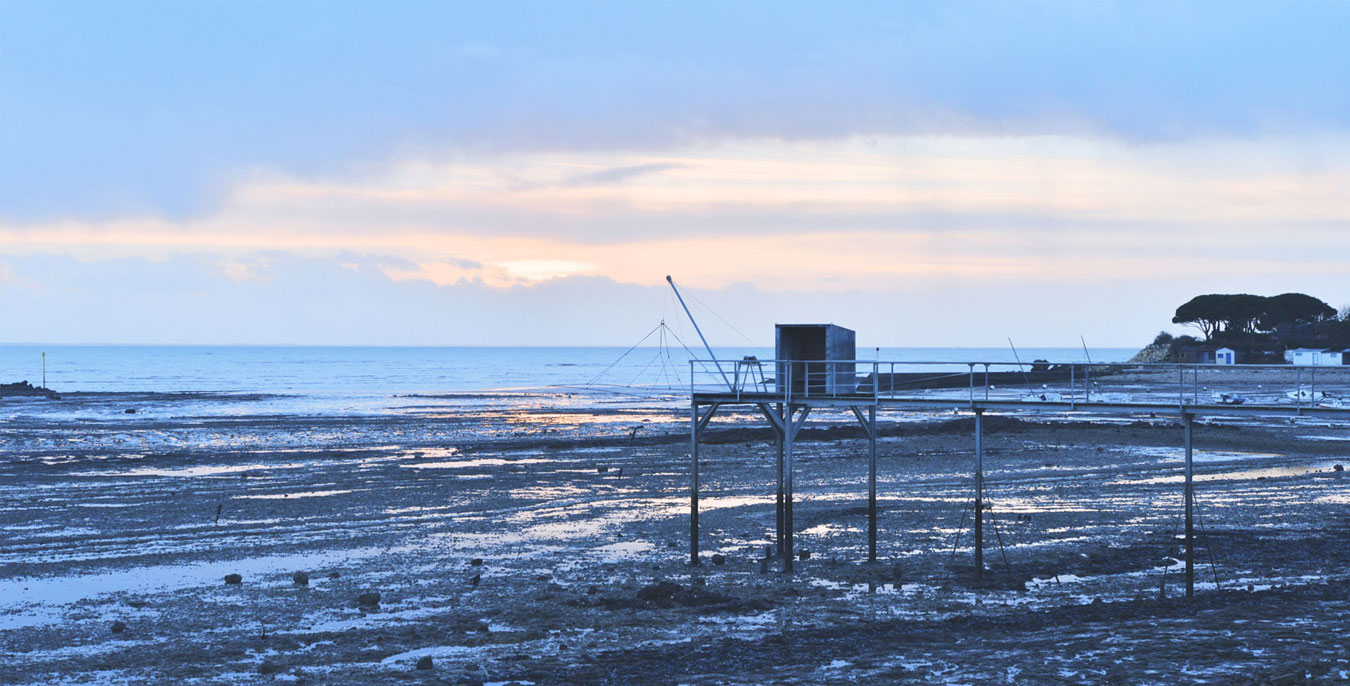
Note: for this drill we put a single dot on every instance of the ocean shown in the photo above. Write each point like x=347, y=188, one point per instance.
x=359, y=371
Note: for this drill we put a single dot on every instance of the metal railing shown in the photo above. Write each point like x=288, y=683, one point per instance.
x=1071, y=383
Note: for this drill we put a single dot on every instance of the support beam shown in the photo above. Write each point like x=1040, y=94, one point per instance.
x=703, y=422
x=792, y=425
x=869, y=425
x=979, y=496
x=872, y=484
x=693, y=483
x=1188, y=421
x=774, y=416
x=779, y=540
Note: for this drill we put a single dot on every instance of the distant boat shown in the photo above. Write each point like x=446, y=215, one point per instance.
x=1305, y=396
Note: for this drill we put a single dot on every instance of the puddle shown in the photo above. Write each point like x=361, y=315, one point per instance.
x=299, y=494
x=469, y=464
x=205, y=470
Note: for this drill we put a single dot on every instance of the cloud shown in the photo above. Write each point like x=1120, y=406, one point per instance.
x=311, y=300
x=616, y=175
x=134, y=109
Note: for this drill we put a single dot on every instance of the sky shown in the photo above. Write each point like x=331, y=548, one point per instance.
x=528, y=173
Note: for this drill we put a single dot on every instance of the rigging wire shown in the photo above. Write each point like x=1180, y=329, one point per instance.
x=625, y=353
x=1209, y=550
x=719, y=317
x=1171, y=541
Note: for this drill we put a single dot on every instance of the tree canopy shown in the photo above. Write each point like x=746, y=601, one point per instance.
x=1244, y=313
x=1292, y=309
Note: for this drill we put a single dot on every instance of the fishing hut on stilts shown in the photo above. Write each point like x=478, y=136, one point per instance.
x=816, y=367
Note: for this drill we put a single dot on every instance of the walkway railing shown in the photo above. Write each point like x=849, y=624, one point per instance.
x=1071, y=383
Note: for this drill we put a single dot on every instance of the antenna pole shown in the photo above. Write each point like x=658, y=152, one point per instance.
x=700, y=333
x=1019, y=361
x=44, y=369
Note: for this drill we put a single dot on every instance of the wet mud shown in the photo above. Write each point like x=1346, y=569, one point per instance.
x=546, y=542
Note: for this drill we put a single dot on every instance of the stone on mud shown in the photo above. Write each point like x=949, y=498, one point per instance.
x=119, y=626
x=300, y=578
x=233, y=579
x=424, y=662
x=719, y=559
x=369, y=599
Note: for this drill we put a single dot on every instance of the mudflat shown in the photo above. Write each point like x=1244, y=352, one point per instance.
x=543, y=539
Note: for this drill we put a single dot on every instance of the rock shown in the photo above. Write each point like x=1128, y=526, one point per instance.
x=129, y=410
x=271, y=666
x=300, y=579
x=601, y=469
x=483, y=628
x=475, y=580
x=1338, y=468
x=233, y=579
x=476, y=562
x=662, y=593
x=719, y=559
x=369, y=599
x=334, y=575
x=424, y=662
x=137, y=603
x=23, y=388
x=804, y=554
x=119, y=626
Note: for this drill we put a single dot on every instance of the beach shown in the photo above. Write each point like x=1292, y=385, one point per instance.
x=541, y=537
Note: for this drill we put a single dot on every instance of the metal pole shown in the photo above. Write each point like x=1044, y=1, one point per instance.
x=700, y=334
x=693, y=485
x=1298, y=388
x=1187, y=420
x=972, y=383
x=44, y=370
x=872, y=484
x=979, y=496
x=787, y=493
x=1073, y=387
x=778, y=523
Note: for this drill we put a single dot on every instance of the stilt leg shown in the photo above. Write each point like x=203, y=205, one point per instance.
x=872, y=484
x=1188, y=421
x=979, y=496
x=693, y=485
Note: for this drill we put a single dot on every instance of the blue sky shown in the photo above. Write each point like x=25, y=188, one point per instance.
x=931, y=174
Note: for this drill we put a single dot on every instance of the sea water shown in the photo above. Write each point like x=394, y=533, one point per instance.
x=298, y=370
x=323, y=380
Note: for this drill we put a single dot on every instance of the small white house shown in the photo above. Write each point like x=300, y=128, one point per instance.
x=1318, y=357
x=1225, y=356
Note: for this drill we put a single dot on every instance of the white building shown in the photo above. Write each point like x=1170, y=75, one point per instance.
x=1225, y=356
x=1318, y=357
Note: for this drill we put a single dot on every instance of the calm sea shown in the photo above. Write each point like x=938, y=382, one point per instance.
x=366, y=371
